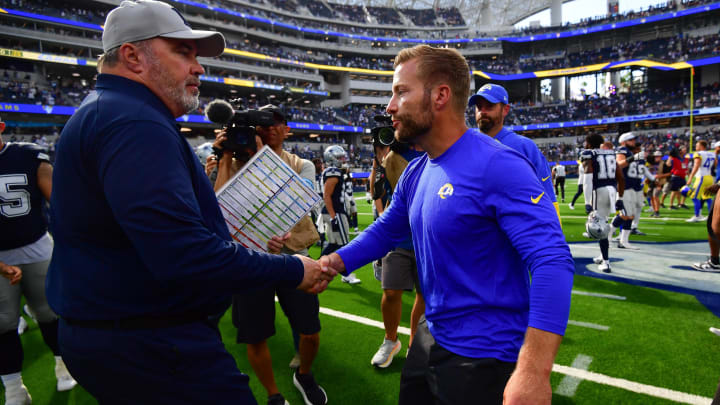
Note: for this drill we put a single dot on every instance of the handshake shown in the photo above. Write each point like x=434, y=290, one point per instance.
x=319, y=273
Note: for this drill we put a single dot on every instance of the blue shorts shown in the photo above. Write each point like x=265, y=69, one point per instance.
x=186, y=364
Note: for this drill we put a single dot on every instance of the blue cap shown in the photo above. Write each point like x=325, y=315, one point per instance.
x=493, y=93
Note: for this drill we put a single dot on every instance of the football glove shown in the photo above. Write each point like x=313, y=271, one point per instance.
x=619, y=206
x=588, y=208
x=335, y=225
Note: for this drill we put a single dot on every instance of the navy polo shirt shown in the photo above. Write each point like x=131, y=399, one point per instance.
x=138, y=230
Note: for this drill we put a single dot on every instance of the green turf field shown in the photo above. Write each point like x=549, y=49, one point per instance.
x=656, y=338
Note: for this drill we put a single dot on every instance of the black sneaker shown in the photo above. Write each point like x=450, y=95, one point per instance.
x=662, y=206
x=277, y=399
x=684, y=206
x=636, y=231
x=672, y=207
x=312, y=393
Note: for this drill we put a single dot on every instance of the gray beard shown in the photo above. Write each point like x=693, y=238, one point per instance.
x=176, y=93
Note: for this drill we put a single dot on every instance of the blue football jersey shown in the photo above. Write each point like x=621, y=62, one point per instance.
x=633, y=172
x=22, y=220
x=338, y=195
x=604, y=165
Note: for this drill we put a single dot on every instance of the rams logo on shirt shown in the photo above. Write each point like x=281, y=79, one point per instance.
x=446, y=191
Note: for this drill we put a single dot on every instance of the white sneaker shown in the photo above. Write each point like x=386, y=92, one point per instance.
x=586, y=235
x=384, y=356
x=572, y=207
x=715, y=330
x=598, y=259
x=351, y=279
x=694, y=219
x=604, y=266
x=29, y=312
x=616, y=239
x=22, y=326
x=18, y=396
x=295, y=361
x=708, y=266
x=65, y=382
x=627, y=245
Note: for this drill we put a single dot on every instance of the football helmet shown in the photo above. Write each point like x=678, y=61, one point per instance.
x=334, y=155
x=596, y=228
x=685, y=190
x=203, y=151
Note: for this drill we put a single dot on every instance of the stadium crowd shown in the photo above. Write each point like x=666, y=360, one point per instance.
x=680, y=48
x=674, y=49
x=382, y=15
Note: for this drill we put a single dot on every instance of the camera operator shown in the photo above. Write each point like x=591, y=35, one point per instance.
x=254, y=312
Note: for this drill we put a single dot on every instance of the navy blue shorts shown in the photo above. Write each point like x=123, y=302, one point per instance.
x=253, y=313
x=676, y=183
x=186, y=364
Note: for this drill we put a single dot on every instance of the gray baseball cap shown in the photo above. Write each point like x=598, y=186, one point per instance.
x=144, y=19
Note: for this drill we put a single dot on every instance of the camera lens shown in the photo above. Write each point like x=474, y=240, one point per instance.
x=386, y=136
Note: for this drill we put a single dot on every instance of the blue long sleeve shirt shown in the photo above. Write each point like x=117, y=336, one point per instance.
x=138, y=230
x=530, y=151
x=478, y=224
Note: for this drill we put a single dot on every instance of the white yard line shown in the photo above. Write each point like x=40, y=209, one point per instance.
x=628, y=385
x=569, y=384
x=599, y=295
x=588, y=325
x=571, y=371
x=361, y=319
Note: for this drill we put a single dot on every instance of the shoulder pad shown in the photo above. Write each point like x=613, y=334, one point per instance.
x=34, y=150
x=624, y=150
x=332, y=172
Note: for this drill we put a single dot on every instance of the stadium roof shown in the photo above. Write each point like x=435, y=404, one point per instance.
x=503, y=12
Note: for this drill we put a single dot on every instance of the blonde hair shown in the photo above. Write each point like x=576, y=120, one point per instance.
x=440, y=65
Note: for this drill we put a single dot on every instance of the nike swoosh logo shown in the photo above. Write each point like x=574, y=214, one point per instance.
x=536, y=199
x=544, y=180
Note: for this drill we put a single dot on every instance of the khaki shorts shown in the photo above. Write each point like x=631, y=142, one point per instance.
x=399, y=271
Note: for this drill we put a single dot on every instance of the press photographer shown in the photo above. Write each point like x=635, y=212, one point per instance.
x=239, y=127
x=398, y=269
x=254, y=312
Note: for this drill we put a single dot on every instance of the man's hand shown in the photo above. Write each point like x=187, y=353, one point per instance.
x=334, y=224
x=619, y=206
x=530, y=382
x=276, y=244
x=525, y=387
x=316, y=279
x=588, y=209
x=12, y=273
x=333, y=262
x=210, y=164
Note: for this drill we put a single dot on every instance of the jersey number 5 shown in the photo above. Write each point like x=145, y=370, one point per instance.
x=14, y=203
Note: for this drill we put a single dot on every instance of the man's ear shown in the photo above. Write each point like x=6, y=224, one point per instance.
x=505, y=110
x=132, y=57
x=440, y=96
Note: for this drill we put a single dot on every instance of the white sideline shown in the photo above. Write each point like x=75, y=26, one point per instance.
x=573, y=372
